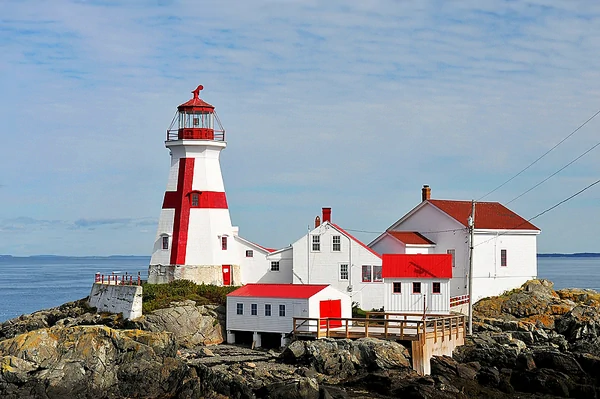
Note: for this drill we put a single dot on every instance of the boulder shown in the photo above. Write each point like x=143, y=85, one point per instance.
x=191, y=325
x=583, y=322
x=89, y=362
x=343, y=358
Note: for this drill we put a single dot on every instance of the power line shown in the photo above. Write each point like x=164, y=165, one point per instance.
x=555, y=173
x=544, y=211
x=420, y=232
x=542, y=156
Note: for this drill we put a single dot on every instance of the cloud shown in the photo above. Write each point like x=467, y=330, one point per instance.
x=354, y=105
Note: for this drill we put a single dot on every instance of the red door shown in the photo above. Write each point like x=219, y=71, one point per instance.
x=330, y=308
x=226, y=274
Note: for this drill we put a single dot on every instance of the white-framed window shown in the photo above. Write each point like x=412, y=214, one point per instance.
x=267, y=309
x=344, y=272
x=316, y=243
x=165, y=242
x=453, y=253
x=249, y=253
x=366, y=274
x=436, y=287
x=336, y=244
x=377, y=275
x=240, y=308
x=416, y=287
x=503, y=259
x=275, y=266
x=397, y=287
x=254, y=309
x=281, y=310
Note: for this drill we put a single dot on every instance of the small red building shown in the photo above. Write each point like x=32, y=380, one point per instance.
x=418, y=283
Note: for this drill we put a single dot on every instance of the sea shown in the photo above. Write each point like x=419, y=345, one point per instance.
x=28, y=284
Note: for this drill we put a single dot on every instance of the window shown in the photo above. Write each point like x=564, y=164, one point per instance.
x=377, y=276
x=267, y=309
x=366, y=274
x=224, y=243
x=249, y=253
x=254, y=309
x=281, y=310
x=240, y=308
x=165, y=242
x=337, y=244
x=275, y=266
x=316, y=243
x=436, y=288
x=453, y=253
x=397, y=288
x=195, y=199
x=416, y=288
x=343, y=272
x=503, y=257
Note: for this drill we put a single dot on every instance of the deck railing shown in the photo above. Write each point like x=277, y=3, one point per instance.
x=173, y=134
x=459, y=300
x=117, y=279
x=398, y=326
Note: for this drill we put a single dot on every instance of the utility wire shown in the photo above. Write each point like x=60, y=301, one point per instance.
x=420, y=232
x=544, y=211
x=542, y=156
x=555, y=173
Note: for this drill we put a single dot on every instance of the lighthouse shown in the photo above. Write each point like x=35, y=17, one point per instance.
x=195, y=238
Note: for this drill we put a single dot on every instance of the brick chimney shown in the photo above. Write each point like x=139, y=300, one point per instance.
x=425, y=193
x=317, y=222
x=326, y=215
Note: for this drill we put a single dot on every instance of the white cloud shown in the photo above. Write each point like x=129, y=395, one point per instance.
x=353, y=105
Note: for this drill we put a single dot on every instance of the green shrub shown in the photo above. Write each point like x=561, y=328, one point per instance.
x=159, y=296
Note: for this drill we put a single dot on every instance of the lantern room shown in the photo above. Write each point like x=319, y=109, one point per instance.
x=195, y=120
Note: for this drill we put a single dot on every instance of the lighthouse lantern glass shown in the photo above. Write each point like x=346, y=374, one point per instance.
x=204, y=120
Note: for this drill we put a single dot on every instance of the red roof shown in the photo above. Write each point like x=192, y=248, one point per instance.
x=488, y=215
x=296, y=291
x=196, y=103
x=354, y=239
x=410, y=237
x=419, y=265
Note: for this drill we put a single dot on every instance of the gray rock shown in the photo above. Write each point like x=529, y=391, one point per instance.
x=191, y=325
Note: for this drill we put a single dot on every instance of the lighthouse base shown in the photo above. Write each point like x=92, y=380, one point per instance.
x=199, y=274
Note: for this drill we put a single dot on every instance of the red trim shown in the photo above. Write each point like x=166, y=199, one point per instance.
x=354, y=239
x=278, y=290
x=181, y=204
x=417, y=265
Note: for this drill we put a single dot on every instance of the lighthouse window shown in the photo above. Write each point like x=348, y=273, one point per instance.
x=224, y=243
x=196, y=121
x=195, y=199
x=165, y=242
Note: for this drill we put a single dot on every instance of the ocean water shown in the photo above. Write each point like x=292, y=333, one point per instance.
x=35, y=283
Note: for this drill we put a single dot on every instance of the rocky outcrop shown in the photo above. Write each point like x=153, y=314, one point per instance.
x=190, y=324
x=343, y=358
x=89, y=362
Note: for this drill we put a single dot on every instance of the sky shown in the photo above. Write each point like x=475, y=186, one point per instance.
x=350, y=105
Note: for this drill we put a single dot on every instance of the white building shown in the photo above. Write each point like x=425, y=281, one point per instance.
x=504, y=255
x=270, y=308
x=418, y=284
x=330, y=255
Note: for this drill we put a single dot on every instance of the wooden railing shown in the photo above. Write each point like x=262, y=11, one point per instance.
x=400, y=326
x=459, y=300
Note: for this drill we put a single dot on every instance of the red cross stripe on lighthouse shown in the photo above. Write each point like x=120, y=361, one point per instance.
x=181, y=201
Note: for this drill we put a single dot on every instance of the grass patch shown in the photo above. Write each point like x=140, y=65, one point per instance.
x=159, y=296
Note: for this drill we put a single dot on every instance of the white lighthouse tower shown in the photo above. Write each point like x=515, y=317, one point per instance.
x=195, y=238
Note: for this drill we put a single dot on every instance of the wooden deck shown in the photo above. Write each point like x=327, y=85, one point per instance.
x=396, y=326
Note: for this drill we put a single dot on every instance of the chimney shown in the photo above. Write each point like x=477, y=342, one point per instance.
x=326, y=215
x=317, y=222
x=425, y=193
